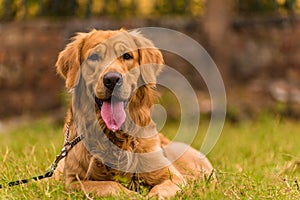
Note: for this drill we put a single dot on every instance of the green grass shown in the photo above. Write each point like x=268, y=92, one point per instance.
x=254, y=160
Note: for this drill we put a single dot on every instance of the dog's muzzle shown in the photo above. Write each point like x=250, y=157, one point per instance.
x=112, y=108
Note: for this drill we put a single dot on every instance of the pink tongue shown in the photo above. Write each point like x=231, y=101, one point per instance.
x=113, y=114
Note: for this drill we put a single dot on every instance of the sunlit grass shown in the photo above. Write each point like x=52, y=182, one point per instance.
x=254, y=160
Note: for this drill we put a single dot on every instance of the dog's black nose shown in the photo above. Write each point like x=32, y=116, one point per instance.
x=112, y=80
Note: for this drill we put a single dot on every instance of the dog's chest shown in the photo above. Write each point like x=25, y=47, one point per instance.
x=100, y=172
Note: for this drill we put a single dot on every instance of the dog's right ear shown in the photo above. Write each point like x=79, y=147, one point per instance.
x=69, y=60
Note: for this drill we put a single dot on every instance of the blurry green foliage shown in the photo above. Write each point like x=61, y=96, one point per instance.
x=266, y=6
x=57, y=8
x=24, y=9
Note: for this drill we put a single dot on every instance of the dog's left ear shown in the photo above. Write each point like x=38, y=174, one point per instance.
x=69, y=60
x=150, y=58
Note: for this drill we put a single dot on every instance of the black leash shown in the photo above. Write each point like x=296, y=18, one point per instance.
x=63, y=153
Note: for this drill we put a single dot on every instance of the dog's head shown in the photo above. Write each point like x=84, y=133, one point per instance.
x=120, y=68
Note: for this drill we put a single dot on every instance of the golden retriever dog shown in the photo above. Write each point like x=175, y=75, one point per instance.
x=111, y=76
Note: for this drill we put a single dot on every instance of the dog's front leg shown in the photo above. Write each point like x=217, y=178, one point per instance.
x=169, y=187
x=166, y=189
x=99, y=188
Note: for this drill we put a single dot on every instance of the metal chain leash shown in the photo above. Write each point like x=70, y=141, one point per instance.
x=63, y=153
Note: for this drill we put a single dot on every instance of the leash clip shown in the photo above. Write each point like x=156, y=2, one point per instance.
x=63, y=152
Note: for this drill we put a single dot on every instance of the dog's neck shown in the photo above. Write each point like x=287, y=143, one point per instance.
x=129, y=133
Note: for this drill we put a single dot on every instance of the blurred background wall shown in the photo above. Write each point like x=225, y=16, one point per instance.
x=255, y=44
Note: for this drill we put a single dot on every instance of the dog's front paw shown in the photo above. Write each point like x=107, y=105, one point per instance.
x=164, y=190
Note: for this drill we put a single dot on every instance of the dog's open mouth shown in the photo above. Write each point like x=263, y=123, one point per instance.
x=112, y=112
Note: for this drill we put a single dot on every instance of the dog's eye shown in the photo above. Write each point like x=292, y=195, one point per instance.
x=127, y=56
x=94, y=57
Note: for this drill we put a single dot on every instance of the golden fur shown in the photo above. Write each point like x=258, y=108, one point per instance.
x=83, y=170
